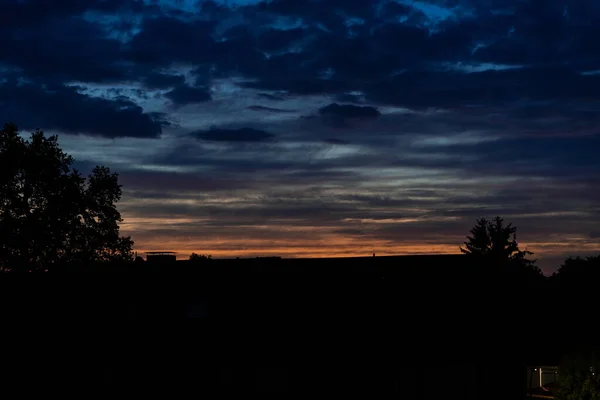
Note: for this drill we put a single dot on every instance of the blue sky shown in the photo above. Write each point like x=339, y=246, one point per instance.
x=321, y=127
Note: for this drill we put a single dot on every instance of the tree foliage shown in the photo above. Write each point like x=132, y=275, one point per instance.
x=579, y=376
x=495, y=242
x=578, y=272
x=200, y=257
x=49, y=213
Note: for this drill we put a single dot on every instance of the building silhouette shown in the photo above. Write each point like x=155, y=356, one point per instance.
x=161, y=257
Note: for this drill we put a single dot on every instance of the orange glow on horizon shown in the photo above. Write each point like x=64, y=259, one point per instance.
x=287, y=240
x=183, y=254
x=338, y=247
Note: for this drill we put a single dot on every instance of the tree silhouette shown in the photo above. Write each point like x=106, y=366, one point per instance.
x=200, y=257
x=49, y=213
x=578, y=272
x=579, y=374
x=496, y=243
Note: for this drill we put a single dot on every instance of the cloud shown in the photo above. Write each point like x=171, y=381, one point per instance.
x=336, y=141
x=269, y=109
x=164, y=185
x=163, y=40
x=61, y=46
x=348, y=111
x=450, y=110
x=275, y=40
x=490, y=88
x=183, y=94
x=234, y=135
x=62, y=108
x=270, y=96
x=163, y=81
x=35, y=11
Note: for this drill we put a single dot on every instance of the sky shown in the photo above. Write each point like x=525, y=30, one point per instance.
x=312, y=128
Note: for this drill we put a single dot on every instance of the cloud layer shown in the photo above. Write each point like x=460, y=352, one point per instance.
x=322, y=127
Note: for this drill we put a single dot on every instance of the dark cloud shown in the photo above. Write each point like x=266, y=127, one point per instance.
x=164, y=40
x=559, y=157
x=234, y=135
x=269, y=109
x=366, y=60
x=62, y=108
x=364, y=56
x=172, y=184
x=184, y=94
x=566, y=29
x=371, y=55
x=330, y=14
x=274, y=74
x=64, y=48
x=412, y=215
x=348, y=111
x=565, y=159
x=489, y=88
x=500, y=118
x=24, y=13
x=595, y=235
x=344, y=115
x=419, y=46
x=122, y=93
x=270, y=96
x=163, y=81
x=350, y=98
x=336, y=141
x=274, y=40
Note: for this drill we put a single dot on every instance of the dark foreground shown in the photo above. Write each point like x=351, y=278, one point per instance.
x=416, y=329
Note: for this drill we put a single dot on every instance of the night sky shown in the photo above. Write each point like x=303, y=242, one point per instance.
x=321, y=128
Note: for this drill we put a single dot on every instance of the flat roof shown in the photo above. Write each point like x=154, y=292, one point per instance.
x=156, y=253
